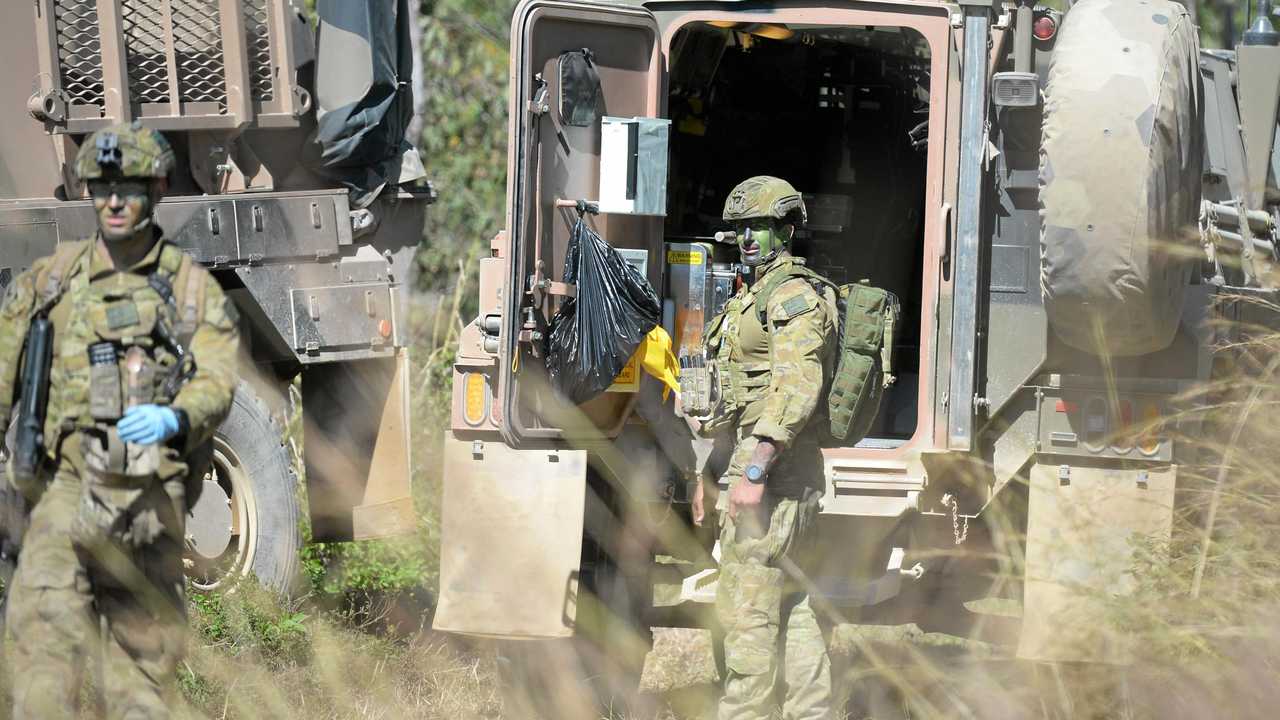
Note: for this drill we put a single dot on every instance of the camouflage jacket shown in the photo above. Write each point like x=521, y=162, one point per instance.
x=89, y=288
x=772, y=375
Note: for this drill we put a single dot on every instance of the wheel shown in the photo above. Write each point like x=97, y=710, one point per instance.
x=245, y=521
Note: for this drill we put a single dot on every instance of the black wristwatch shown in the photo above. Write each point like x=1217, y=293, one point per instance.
x=755, y=474
x=184, y=424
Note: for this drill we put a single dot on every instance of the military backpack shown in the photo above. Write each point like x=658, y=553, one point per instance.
x=868, y=318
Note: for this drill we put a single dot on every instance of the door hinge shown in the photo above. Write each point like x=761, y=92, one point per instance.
x=538, y=105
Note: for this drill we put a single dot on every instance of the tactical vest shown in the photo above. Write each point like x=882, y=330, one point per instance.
x=124, y=344
x=738, y=339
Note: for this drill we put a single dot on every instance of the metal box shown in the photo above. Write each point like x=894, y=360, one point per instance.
x=343, y=317
x=687, y=269
x=633, y=165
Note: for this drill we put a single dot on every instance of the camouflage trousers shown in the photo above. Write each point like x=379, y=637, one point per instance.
x=64, y=610
x=772, y=634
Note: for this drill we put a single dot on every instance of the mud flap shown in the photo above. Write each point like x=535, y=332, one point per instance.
x=511, y=540
x=357, y=450
x=1082, y=529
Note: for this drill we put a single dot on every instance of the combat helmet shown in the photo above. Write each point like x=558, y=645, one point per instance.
x=765, y=196
x=124, y=150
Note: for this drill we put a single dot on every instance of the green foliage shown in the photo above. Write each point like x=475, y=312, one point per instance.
x=464, y=139
x=249, y=620
x=372, y=566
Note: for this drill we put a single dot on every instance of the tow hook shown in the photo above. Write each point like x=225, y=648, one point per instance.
x=915, y=572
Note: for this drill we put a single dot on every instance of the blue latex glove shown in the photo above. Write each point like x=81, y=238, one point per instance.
x=148, y=424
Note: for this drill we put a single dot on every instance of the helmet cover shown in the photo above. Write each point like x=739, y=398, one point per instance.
x=126, y=150
x=764, y=196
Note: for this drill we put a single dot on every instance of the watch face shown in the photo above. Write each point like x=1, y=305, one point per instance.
x=754, y=473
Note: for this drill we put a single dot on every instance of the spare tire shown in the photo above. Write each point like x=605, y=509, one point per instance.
x=1120, y=175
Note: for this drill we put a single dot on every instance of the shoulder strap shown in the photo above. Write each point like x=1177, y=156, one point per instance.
x=191, y=288
x=59, y=270
x=167, y=268
x=180, y=282
x=775, y=280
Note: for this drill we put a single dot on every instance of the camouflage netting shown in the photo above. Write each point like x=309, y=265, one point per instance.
x=1120, y=175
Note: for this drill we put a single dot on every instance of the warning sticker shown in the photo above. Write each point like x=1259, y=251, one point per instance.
x=684, y=257
x=628, y=379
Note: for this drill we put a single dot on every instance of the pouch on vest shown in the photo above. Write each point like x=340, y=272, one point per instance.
x=104, y=382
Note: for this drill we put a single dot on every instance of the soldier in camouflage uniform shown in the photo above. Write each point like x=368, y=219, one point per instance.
x=772, y=356
x=143, y=371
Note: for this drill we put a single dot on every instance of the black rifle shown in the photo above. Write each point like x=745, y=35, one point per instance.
x=28, y=450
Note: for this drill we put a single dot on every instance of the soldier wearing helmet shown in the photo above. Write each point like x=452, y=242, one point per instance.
x=772, y=347
x=142, y=371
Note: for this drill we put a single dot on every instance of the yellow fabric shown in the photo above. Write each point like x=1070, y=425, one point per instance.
x=658, y=360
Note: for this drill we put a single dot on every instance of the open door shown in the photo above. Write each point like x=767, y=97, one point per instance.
x=572, y=65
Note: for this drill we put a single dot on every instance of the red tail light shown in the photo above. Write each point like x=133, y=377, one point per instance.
x=1044, y=27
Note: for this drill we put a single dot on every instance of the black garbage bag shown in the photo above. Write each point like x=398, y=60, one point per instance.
x=594, y=334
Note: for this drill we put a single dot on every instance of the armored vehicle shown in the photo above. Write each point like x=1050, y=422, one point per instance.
x=294, y=186
x=1062, y=201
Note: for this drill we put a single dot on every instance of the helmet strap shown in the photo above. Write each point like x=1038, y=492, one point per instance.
x=784, y=234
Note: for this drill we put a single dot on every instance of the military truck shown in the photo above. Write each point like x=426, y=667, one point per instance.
x=1063, y=201
x=295, y=187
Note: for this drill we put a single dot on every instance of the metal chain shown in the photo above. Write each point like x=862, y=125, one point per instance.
x=960, y=530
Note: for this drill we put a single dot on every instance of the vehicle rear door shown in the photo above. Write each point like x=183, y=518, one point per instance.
x=553, y=159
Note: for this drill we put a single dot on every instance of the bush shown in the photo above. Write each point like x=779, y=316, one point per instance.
x=249, y=620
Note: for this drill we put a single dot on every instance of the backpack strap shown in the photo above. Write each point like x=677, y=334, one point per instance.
x=776, y=279
x=59, y=270
x=192, y=310
x=181, y=284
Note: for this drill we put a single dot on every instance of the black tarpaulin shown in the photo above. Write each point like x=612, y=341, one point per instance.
x=363, y=95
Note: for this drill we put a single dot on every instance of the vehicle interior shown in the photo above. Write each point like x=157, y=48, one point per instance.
x=841, y=113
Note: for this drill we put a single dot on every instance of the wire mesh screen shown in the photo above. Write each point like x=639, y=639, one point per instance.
x=145, y=50
x=198, y=49
x=168, y=59
x=259, y=47
x=79, y=50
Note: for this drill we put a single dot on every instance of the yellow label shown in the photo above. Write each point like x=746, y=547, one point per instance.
x=684, y=257
x=628, y=379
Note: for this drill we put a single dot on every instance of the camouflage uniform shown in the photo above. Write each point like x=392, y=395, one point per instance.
x=100, y=572
x=771, y=379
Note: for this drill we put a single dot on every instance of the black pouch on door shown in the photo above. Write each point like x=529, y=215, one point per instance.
x=581, y=97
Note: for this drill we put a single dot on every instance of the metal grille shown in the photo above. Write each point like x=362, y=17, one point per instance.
x=79, y=50
x=144, y=45
x=259, y=47
x=196, y=33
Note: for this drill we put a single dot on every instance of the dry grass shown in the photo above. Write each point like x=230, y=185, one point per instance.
x=345, y=674
x=1202, y=618
x=1201, y=648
